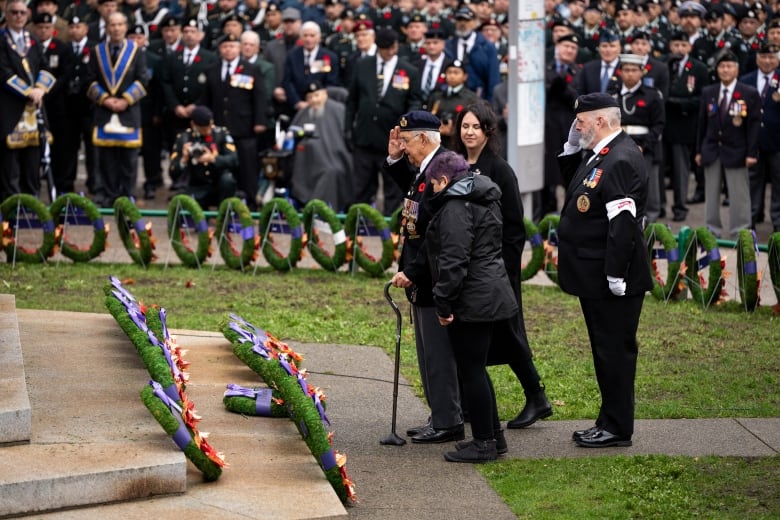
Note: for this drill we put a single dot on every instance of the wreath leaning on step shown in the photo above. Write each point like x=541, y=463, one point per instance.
x=547, y=229
x=664, y=291
x=705, y=292
x=537, y=251
x=747, y=269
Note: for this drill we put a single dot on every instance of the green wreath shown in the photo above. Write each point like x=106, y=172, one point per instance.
x=233, y=258
x=773, y=247
x=369, y=264
x=136, y=234
x=747, y=269
x=256, y=402
x=12, y=206
x=537, y=251
x=664, y=291
x=547, y=229
x=317, y=209
x=100, y=228
x=178, y=235
x=276, y=259
x=176, y=423
x=706, y=293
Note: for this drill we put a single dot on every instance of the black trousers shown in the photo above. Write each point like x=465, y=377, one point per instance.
x=19, y=170
x=681, y=171
x=367, y=165
x=151, y=150
x=767, y=170
x=80, y=130
x=117, y=169
x=612, y=325
x=248, y=169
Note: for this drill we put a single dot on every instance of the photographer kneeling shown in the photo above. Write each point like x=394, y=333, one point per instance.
x=205, y=156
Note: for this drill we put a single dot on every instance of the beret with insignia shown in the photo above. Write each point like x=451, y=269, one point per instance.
x=418, y=120
x=594, y=101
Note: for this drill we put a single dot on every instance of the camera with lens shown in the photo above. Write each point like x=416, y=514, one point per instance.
x=196, y=152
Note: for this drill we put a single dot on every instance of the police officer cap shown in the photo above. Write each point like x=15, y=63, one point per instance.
x=193, y=21
x=417, y=18
x=290, y=14
x=726, y=56
x=639, y=34
x=435, y=34
x=314, y=86
x=201, y=115
x=42, y=18
x=631, y=59
x=386, y=38
x=594, y=101
x=767, y=48
x=233, y=17
x=229, y=37
x=169, y=21
x=690, y=8
x=139, y=29
x=457, y=64
x=678, y=36
x=464, y=13
x=418, y=120
x=569, y=38
x=607, y=36
x=363, y=25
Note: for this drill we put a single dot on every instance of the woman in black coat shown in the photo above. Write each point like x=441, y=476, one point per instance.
x=477, y=140
x=471, y=290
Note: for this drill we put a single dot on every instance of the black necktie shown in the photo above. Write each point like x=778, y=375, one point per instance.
x=114, y=54
x=724, y=105
x=465, y=59
x=306, y=65
x=380, y=79
x=765, y=90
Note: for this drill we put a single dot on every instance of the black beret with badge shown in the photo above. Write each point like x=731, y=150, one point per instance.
x=594, y=101
x=727, y=55
x=233, y=17
x=42, y=18
x=314, y=86
x=193, y=21
x=386, y=38
x=418, y=120
x=572, y=37
x=226, y=38
x=170, y=20
x=201, y=115
x=140, y=30
x=456, y=64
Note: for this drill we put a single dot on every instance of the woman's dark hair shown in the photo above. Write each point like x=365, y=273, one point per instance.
x=487, y=120
x=448, y=163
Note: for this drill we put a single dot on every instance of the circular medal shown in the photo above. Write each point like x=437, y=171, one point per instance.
x=737, y=121
x=411, y=228
x=583, y=203
x=202, y=78
x=776, y=95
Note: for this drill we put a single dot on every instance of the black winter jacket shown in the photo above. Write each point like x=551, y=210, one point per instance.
x=463, y=244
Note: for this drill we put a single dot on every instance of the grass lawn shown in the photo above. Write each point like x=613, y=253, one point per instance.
x=693, y=364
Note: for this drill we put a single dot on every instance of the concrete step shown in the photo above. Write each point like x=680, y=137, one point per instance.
x=47, y=477
x=15, y=414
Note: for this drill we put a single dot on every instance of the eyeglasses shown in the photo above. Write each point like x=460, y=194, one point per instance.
x=407, y=140
x=17, y=13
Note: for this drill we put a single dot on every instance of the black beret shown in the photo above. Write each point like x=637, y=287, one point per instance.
x=678, y=36
x=464, y=13
x=169, y=21
x=230, y=37
x=417, y=18
x=348, y=13
x=624, y=6
x=314, y=86
x=726, y=56
x=139, y=29
x=272, y=7
x=774, y=23
x=569, y=38
x=758, y=6
x=639, y=34
x=193, y=21
x=418, y=120
x=748, y=13
x=75, y=19
x=594, y=101
x=201, y=115
x=457, y=64
x=607, y=36
x=386, y=38
x=768, y=48
x=715, y=12
x=561, y=22
x=42, y=18
x=435, y=34
x=594, y=6
x=233, y=17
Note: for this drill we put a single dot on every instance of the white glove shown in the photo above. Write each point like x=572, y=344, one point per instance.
x=617, y=285
x=574, y=134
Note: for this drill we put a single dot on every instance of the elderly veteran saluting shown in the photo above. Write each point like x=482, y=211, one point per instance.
x=602, y=258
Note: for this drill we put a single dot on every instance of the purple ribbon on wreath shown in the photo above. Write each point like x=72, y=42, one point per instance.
x=385, y=234
x=98, y=224
x=182, y=435
x=328, y=460
x=163, y=317
x=48, y=226
x=248, y=233
x=139, y=225
x=536, y=240
x=751, y=268
x=320, y=408
x=262, y=397
x=202, y=226
x=296, y=232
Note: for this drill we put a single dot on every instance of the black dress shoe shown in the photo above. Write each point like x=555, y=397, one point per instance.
x=149, y=193
x=679, y=217
x=662, y=213
x=417, y=429
x=536, y=407
x=697, y=198
x=436, y=436
x=583, y=433
x=602, y=439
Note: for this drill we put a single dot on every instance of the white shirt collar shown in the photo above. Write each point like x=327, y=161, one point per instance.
x=601, y=144
x=424, y=163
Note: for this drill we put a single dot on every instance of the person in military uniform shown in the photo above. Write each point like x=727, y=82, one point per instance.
x=642, y=115
x=716, y=41
x=385, y=14
x=57, y=59
x=594, y=22
x=657, y=23
x=602, y=258
x=747, y=24
x=365, y=45
x=342, y=42
x=78, y=110
x=26, y=82
x=307, y=63
x=433, y=66
x=276, y=52
x=560, y=78
x=118, y=78
x=332, y=23
x=205, y=156
x=448, y=103
x=60, y=25
x=214, y=28
x=688, y=78
x=151, y=15
x=412, y=144
x=413, y=48
x=235, y=92
x=98, y=25
x=476, y=53
x=383, y=87
x=728, y=139
x=624, y=23
x=271, y=28
x=169, y=41
x=655, y=73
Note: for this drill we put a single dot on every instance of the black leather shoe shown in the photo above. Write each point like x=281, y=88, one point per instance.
x=476, y=452
x=436, y=436
x=662, y=213
x=602, y=439
x=417, y=429
x=697, y=198
x=149, y=193
x=583, y=433
x=679, y=217
x=501, y=446
x=536, y=407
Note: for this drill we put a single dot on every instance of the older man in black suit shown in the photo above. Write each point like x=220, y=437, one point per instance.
x=602, y=257
x=729, y=126
x=383, y=87
x=309, y=63
x=25, y=82
x=235, y=93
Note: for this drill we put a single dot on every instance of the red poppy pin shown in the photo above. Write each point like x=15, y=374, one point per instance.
x=179, y=48
x=85, y=51
x=209, y=6
x=278, y=36
x=737, y=95
x=299, y=43
x=641, y=103
x=421, y=187
x=153, y=28
x=440, y=81
x=629, y=39
x=387, y=15
x=595, y=36
x=196, y=59
x=568, y=78
x=648, y=67
x=401, y=72
x=721, y=44
x=761, y=35
x=422, y=51
x=655, y=30
x=239, y=69
x=55, y=33
x=604, y=151
x=208, y=138
x=688, y=65
x=459, y=108
x=754, y=45
x=603, y=24
x=435, y=25
x=326, y=59
x=52, y=46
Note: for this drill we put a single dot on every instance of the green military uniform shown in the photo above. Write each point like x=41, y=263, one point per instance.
x=208, y=184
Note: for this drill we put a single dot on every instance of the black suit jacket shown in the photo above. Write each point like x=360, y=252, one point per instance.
x=682, y=105
x=769, y=136
x=592, y=246
x=12, y=71
x=731, y=143
x=58, y=59
x=370, y=119
x=589, y=80
x=239, y=104
x=184, y=84
x=296, y=79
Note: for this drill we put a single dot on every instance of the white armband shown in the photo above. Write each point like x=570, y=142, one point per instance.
x=614, y=207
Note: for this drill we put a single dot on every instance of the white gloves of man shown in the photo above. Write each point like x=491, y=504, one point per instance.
x=617, y=285
x=574, y=135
